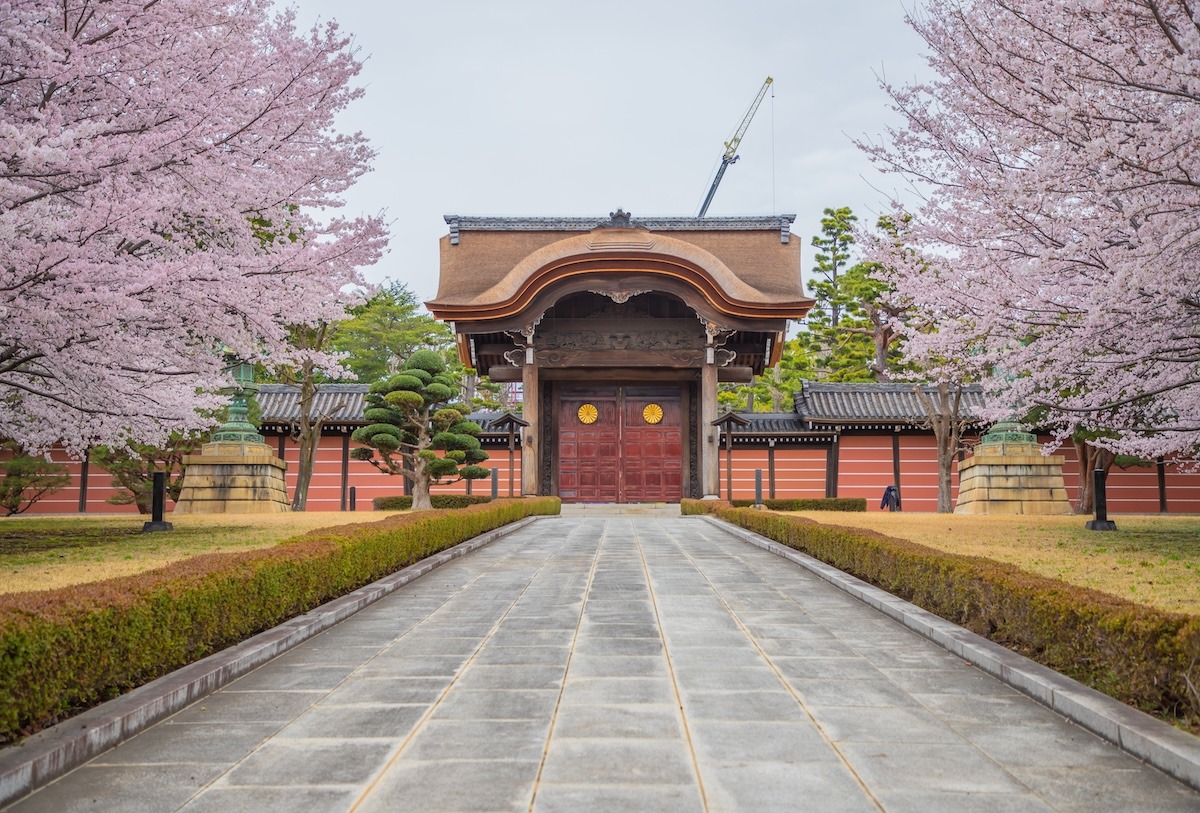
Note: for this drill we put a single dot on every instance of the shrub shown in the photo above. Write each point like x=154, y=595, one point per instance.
x=27, y=479
x=693, y=507
x=825, y=504
x=1134, y=653
x=438, y=500
x=64, y=650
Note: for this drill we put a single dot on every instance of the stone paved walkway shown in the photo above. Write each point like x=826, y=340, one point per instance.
x=604, y=663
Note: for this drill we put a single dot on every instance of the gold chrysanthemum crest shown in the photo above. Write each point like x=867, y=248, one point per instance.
x=588, y=413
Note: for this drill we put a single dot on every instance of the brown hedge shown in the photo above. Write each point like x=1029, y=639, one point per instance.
x=1134, y=653
x=64, y=650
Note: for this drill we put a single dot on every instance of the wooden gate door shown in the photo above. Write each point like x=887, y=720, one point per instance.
x=620, y=444
x=588, y=444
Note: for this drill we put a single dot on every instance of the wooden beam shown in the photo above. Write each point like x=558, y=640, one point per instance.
x=620, y=374
x=740, y=375
x=505, y=373
x=620, y=358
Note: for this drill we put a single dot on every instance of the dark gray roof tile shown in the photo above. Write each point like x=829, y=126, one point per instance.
x=871, y=403
x=341, y=403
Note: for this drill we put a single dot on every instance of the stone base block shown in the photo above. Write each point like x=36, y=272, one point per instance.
x=991, y=482
x=233, y=478
x=1044, y=508
x=215, y=506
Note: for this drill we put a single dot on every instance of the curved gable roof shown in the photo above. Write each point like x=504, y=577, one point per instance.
x=495, y=268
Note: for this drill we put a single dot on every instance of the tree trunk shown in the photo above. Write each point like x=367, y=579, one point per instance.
x=947, y=427
x=420, y=486
x=470, y=383
x=1090, y=458
x=308, y=437
x=881, y=360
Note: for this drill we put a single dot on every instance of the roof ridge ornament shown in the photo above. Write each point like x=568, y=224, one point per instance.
x=619, y=219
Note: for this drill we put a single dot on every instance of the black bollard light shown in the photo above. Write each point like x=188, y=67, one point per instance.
x=158, y=503
x=1101, y=522
x=353, y=497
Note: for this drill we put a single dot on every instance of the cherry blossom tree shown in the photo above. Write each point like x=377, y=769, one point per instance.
x=167, y=177
x=1058, y=242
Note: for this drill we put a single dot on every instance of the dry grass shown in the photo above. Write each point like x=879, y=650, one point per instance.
x=1149, y=559
x=41, y=553
x=1153, y=560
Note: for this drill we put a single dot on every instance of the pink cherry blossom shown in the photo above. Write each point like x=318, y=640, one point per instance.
x=167, y=170
x=1057, y=248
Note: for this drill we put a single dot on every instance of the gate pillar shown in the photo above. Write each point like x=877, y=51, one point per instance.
x=531, y=400
x=710, y=480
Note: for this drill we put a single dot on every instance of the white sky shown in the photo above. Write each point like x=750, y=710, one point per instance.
x=535, y=107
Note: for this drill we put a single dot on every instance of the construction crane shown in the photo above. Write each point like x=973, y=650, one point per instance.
x=732, y=144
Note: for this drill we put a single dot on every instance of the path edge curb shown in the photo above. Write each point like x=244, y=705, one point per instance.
x=43, y=757
x=1174, y=752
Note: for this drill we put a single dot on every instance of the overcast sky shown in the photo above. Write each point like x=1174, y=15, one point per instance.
x=534, y=107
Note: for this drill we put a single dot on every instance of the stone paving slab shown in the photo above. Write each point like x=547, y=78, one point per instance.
x=617, y=662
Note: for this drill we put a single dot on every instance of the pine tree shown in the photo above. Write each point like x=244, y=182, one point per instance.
x=412, y=418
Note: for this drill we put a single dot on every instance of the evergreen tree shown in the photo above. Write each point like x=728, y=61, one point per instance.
x=383, y=332
x=773, y=391
x=849, y=333
x=27, y=479
x=412, y=418
x=831, y=333
x=132, y=468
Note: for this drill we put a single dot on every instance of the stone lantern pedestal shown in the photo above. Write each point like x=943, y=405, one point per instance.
x=1008, y=474
x=236, y=472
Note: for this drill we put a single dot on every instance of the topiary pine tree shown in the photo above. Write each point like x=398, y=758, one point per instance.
x=412, y=419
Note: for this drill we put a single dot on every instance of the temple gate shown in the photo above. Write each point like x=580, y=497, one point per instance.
x=619, y=332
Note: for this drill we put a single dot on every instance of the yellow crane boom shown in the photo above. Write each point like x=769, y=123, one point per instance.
x=731, y=145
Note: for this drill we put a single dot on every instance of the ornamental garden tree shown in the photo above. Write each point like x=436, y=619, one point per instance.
x=412, y=419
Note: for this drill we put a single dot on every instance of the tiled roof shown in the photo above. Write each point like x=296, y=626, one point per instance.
x=817, y=405
x=770, y=422
x=870, y=403
x=461, y=223
x=341, y=403
x=486, y=421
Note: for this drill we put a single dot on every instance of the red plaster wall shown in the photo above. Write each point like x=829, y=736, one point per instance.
x=66, y=501
x=865, y=469
x=919, y=475
x=799, y=473
x=1134, y=490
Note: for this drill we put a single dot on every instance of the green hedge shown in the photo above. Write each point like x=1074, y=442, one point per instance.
x=64, y=650
x=437, y=500
x=1134, y=653
x=827, y=504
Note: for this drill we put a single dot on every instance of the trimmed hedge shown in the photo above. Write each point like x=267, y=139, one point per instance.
x=825, y=504
x=436, y=500
x=1134, y=653
x=856, y=504
x=64, y=650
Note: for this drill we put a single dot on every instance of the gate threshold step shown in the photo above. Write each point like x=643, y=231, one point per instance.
x=595, y=508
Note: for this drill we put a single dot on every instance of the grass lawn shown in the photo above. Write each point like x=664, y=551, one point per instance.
x=1153, y=560
x=40, y=553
